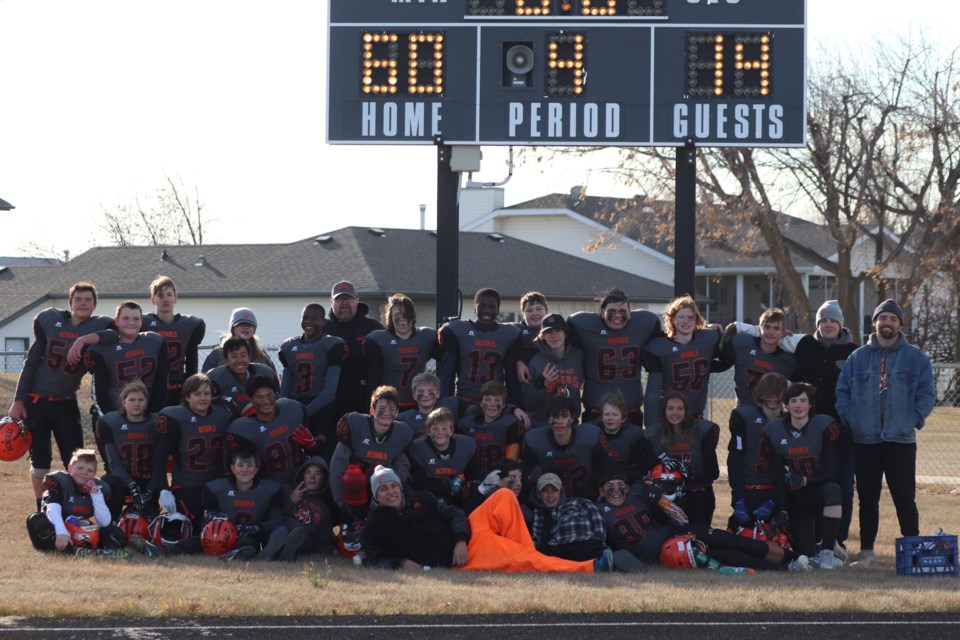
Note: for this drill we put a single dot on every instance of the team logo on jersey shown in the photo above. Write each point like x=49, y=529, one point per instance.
x=549, y=454
x=294, y=348
x=58, y=325
x=783, y=441
x=603, y=332
x=262, y=428
x=753, y=352
x=193, y=418
x=392, y=342
x=123, y=427
x=366, y=441
x=758, y=421
x=231, y=493
x=153, y=323
x=119, y=347
x=432, y=461
x=471, y=333
x=674, y=349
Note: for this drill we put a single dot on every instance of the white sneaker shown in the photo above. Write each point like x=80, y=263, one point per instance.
x=865, y=557
x=826, y=560
x=799, y=565
x=840, y=552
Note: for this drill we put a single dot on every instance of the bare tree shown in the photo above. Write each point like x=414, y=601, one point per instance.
x=173, y=215
x=881, y=169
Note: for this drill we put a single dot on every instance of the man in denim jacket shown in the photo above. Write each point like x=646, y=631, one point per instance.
x=884, y=394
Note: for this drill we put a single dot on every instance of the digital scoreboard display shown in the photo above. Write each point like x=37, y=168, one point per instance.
x=567, y=72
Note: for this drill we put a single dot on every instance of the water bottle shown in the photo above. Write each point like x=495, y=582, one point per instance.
x=354, y=486
x=737, y=571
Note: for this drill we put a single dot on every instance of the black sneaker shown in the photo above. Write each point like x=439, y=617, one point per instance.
x=145, y=547
x=240, y=553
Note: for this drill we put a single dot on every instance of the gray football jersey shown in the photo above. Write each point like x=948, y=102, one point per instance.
x=678, y=367
x=401, y=359
x=481, y=354
x=613, y=359
x=307, y=361
x=45, y=371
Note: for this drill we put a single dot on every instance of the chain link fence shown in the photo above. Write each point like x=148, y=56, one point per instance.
x=938, y=449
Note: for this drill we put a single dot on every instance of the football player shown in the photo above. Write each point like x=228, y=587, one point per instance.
x=426, y=393
x=46, y=395
x=693, y=443
x=475, y=351
x=130, y=440
x=497, y=430
x=276, y=431
x=311, y=372
x=193, y=432
x=442, y=462
x=75, y=517
x=680, y=360
x=569, y=451
x=398, y=353
x=183, y=335
x=612, y=342
x=556, y=371
x=369, y=440
x=751, y=357
x=230, y=380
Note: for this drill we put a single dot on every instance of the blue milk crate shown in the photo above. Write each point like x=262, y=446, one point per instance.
x=927, y=556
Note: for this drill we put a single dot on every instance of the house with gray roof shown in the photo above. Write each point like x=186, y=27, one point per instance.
x=636, y=235
x=277, y=280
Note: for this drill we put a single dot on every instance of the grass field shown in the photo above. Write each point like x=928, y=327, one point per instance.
x=44, y=585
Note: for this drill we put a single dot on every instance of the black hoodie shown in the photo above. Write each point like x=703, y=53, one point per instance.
x=352, y=392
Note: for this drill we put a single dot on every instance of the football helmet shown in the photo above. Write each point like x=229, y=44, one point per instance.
x=15, y=439
x=84, y=534
x=668, y=477
x=678, y=552
x=218, y=536
x=168, y=529
x=133, y=523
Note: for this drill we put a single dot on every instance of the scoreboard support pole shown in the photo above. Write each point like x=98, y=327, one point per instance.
x=685, y=220
x=448, y=234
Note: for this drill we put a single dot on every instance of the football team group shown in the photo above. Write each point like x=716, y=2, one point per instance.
x=535, y=446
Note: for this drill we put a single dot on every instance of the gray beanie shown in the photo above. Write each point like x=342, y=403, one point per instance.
x=888, y=306
x=381, y=476
x=830, y=310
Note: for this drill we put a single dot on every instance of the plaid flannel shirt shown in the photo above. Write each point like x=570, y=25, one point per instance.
x=574, y=520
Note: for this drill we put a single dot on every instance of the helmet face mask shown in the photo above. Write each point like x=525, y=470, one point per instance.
x=15, y=439
x=168, y=529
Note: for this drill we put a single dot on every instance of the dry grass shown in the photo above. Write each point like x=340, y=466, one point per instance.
x=49, y=585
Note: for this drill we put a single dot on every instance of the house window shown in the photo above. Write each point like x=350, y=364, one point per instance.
x=14, y=363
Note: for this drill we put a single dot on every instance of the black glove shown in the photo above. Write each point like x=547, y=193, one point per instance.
x=247, y=530
x=214, y=515
x=650, y=492
x=137, y=499
x=795, y=481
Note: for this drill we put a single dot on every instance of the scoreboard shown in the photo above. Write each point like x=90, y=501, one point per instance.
x=567, y=72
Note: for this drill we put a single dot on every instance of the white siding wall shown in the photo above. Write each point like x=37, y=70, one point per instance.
x=476, y=203
x=565, y=234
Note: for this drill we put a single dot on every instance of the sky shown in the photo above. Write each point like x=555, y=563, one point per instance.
x=101, y=99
